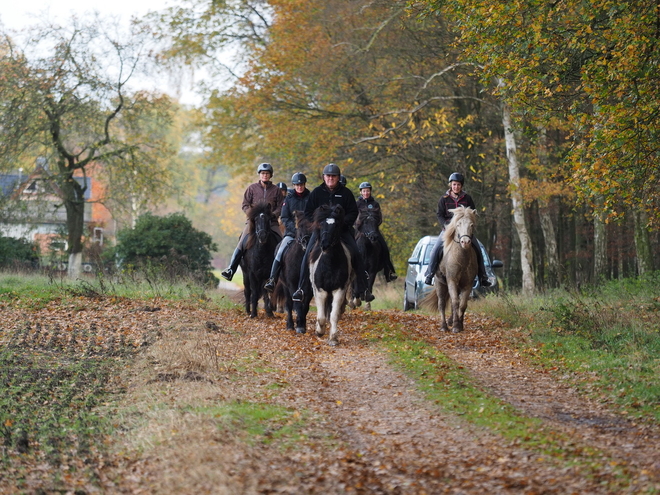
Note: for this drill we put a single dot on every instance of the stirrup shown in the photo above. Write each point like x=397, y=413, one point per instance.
x=428, y=280
x=368, y=296
x=392, y=277
x=227, y=274
x=270, y=285
x=298, y=295
x=484, y=282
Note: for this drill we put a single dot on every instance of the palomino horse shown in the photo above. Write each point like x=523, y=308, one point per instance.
x=330, y=269
x=290, y=274
x=370, y=249
x=458, y=267
x=258, y=258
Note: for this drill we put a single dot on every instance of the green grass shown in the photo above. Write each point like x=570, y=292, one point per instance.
x=37, y=291
x=607, y=336
x=257, y=422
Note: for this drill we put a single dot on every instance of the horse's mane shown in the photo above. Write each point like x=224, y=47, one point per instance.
x=258, y=209
x=450, y=230
x=302, y=224
x=324, y=212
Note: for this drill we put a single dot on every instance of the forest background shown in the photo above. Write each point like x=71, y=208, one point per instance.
x=550, y=110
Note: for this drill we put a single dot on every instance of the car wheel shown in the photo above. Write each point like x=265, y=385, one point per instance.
x=406, y=304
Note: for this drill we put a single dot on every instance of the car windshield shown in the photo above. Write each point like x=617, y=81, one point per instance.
x=427, y=253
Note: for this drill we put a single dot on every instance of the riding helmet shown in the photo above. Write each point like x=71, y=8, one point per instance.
x=457, y=177
x=331, y=169
x=265, y=167
x=298, y=178
x=282, y=186
x=365, y=185
x=342, y=179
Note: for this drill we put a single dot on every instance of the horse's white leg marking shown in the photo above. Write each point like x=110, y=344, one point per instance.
x=337, y=302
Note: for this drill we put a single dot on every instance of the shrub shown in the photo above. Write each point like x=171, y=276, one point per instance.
x=18, y=252
x=170, y=242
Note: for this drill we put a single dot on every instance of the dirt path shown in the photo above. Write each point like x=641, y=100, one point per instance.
x=368, y=429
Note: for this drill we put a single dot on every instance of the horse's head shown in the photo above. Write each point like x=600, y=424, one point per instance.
x=303, y=228
x=368, y=226
x=329, y=220
x=259, y=220
x=461, y=227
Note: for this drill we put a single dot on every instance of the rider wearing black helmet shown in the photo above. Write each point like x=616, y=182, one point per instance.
x=367, y=205
x=262, y=190
x=331, y=192
x=453, y=198
x=295, y=200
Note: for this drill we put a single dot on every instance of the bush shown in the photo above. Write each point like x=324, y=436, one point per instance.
x=18, y=252
x=170, y=242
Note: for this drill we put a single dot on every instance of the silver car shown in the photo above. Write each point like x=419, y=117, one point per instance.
x=415, y=289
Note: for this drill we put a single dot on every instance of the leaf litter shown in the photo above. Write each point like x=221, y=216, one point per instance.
x=352, y=422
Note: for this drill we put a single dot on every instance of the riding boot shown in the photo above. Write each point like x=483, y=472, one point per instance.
x=433, y=267
x=274, y=273
x=481, y=267
x=228, y=273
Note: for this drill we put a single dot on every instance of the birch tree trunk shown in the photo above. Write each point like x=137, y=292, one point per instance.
x=600, y=246
x=642, y=243
x=526, y=258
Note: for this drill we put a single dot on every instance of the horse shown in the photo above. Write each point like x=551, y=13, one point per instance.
x=290, y=274
x=455, y=275
x=369, y=247
x=258, y=258
x=330, y=269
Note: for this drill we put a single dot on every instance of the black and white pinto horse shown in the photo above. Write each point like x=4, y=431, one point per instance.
x=290, y=274
x=330, y=269
x=458, y=266
x=369, y=247
x=258, y=258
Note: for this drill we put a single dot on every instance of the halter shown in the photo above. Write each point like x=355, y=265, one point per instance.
x=457, y=238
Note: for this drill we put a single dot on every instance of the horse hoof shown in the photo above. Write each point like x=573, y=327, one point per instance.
x=456, y=330
x=333, y=343
x=301, y=330
x=444, y=328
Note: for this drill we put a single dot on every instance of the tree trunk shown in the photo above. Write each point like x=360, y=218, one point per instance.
x=74, y=203
x=547, y=225
x=526, y=257
x=642, y=242
x=600, y=245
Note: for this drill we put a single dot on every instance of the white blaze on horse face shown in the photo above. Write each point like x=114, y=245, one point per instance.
x=330, y=221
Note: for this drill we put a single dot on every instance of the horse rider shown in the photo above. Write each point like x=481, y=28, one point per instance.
x=331, y=192
x=342, y=180
x=296, y=200
x=262, y=190
x=367, y=205
x=453, y=198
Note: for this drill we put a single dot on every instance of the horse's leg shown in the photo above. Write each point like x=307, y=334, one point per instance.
x=289, y=306
x=320, y=297
x=267, y=302
x=254, y=300
x=442, y=293
x=458, y=321
x=455, y=305
x=247, y=293
x=338, y=298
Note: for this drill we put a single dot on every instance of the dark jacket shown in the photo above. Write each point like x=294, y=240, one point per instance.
x=270, y=194
x=343, y=196
x=292, y=203
x=366, y=207
x=447, y=203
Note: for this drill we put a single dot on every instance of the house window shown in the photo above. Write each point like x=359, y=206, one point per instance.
x=98, y=235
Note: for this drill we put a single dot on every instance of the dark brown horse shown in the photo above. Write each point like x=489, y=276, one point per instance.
x=290, y=274
x=258, y=258
x=455, y=275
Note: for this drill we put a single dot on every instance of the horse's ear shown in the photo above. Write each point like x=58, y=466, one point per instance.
x=269, y=208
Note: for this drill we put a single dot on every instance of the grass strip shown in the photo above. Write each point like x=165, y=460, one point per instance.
x=448, y=385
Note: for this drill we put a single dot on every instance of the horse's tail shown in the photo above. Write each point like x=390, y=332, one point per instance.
x=430, y=301
x=279, y=294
